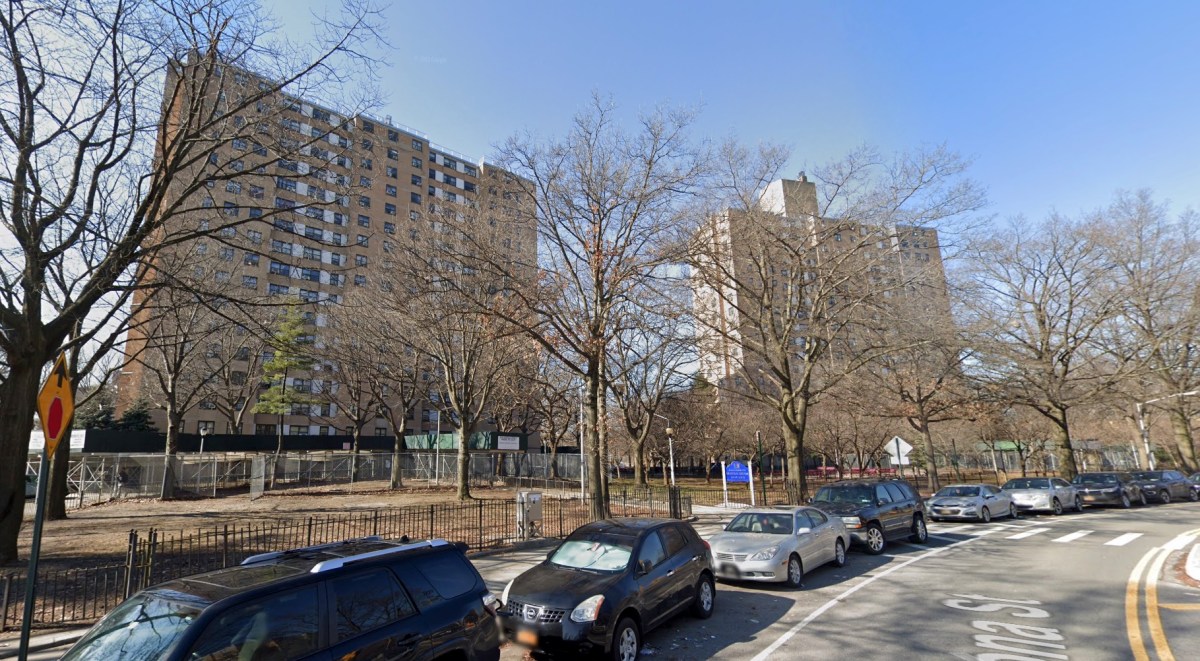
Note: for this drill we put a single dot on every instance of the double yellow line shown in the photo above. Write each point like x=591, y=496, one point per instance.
x=1150, y=566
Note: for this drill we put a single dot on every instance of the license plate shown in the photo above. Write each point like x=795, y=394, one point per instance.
x=527, y=637
x=732, y=570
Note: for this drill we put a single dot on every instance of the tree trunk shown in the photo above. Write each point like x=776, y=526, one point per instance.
x=56, y=497
x=639, y=463
x=355, y=434
x=174, y=420
x=930, y=458
x=599, y=508
x=602, y=435
x=554, y=461
x=396, y=480
x=19, y=393
x=1067, y=469
x=464, y=465
x=278, y=450
x=793, y=439
x=1184, y=442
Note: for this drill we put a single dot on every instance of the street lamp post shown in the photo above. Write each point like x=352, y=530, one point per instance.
x=670, y=446
x=204, y=431
x=1141, y=418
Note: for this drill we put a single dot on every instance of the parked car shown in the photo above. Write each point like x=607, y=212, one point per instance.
x=1108, y=489
x=1043, y=493
x=1163, y=486
x=1194, y=478
x=778, y=545
x=607, y=584
x=875, y=510
x=974, y=502
x=364, y=598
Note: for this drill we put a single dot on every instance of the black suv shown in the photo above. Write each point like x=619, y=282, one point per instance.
x=360, y=599
x=875, y=510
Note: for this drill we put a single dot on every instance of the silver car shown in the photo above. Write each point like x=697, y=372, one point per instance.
x=1043, y=493
x=973, y=502
x=778, y=545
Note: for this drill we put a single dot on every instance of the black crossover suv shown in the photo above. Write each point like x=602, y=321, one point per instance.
x=359, y=599
x=875, y=511
x=607, y=584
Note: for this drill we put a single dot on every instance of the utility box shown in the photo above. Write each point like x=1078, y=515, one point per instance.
x=529, y=514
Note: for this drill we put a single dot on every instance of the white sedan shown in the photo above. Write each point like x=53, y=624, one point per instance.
x=778, y=545
x=1043, y=493
x=974, y=502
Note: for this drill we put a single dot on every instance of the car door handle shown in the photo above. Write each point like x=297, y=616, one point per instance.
x=695, y=558
x=671, y=573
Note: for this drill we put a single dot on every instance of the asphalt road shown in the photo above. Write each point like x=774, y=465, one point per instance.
x=1104, y=584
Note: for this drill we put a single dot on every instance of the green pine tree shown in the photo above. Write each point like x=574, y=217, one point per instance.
x=290, y=345
x=136, y=418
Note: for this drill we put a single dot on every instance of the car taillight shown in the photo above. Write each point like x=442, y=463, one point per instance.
x=706, y=544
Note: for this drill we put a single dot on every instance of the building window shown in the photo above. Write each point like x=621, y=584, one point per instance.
x=389, y=208
x=281, y=246
x=251, y=259
x=312, y=253
x=360, y=280
x=393, y=154
x=392, y=172
x=360, y=260
x=367, y=164
x=470, y=170
x=393, y=135
x=233, y=187
x=264, y=430
x=390, y=190
x=335, y=258
x=277, y=290
x=249, y=282
x=309, y=296
x=414, y=198
x=364, y=201
x=417, y=146
x=364, y=221
x=226, y=254
x=231, y=209
x=362, y=240
x=255, y=236
x=312, y=275
x=381, y=431
x=416, y=180
x=414, y=215
x=223, y=276
x=367, y=144
x=390, y=228
x=416, y=162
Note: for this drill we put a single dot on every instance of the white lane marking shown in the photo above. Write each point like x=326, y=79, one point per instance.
x=1028, y=533
x=787, y=635
x=1073, y=536
x=1123, y=539
x=946, y=531
x=1179, y=543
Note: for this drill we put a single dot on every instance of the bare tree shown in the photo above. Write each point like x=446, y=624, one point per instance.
x=555, y=406
x=1042, y=299
x=794, y=278
x=89, y=185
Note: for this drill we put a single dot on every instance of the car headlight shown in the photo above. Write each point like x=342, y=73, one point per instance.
x=504, y=595
x=765, y=554
x=588, y=609
x=852, y=521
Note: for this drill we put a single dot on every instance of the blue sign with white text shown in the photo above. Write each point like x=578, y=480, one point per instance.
x=736, y=471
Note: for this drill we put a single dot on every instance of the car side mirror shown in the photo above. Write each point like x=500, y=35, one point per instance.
x=644, y=567
x=879, y=502
x=812, y=499
x=803, y=531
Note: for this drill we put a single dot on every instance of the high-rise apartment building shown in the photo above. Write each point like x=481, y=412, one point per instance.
x=781, y=274
x=297, y=202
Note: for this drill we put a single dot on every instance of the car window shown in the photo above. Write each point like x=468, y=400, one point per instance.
x=451, y=574
x=855, y=494
x=368, y=600
x=282, y=626
x=816, y=516
x=896, y=493
x=652, y=550
x=882, y=495
x=1174, y=476
x=989, y=490
x=609, y=553
x=1059, y=482
x=1027, y=483
x=674, y=540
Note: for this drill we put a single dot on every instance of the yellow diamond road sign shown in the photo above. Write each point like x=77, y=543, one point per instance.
x=56, y=404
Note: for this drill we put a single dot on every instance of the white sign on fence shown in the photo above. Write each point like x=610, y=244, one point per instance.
x=508, y=442
x=898, y=450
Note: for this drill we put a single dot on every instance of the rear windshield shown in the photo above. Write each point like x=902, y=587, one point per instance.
x=856, y=493
x=1027, y=483
x=140, y=629
x=957, y=492
x=1095, y=478
x=598, y=553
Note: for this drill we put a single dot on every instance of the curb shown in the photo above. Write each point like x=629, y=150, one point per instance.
x=53, y=641
x=1193, y=563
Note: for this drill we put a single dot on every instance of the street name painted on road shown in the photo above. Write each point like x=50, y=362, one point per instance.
x=1006, y=641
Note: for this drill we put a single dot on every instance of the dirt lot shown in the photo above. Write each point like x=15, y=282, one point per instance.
x=102, y=531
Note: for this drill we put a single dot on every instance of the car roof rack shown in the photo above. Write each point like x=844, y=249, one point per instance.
x=332, y=548
x=335, y=563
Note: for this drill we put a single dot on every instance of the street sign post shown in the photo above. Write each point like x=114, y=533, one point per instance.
x=55, y=405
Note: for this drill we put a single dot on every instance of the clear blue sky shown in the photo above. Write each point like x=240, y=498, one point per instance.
x=1060, y=103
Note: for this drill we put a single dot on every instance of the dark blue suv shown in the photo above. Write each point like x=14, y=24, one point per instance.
x=360, y=599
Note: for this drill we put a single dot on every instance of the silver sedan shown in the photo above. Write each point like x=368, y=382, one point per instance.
x=778, y=545
x=974, y=502
x=1043, y=493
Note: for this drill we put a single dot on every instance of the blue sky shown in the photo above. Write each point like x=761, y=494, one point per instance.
x=1059, y=103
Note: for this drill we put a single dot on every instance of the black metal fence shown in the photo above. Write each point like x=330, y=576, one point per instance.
x=81, y=596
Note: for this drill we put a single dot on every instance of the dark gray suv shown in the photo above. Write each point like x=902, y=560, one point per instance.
x=360, y=599
x=875, y=511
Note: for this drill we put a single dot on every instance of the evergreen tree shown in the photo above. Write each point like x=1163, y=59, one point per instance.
x=97, y=410
x=136, y=418
x=289, y=343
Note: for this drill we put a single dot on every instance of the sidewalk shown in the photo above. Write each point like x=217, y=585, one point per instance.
x=10, y=641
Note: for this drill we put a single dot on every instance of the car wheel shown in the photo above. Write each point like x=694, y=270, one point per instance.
x=1125, y=503
x=1165, y=498
x=985, y=515
x=1193, y=496
x=920, y=534
x=1013, y=511
x=1078, y=504
x=795, y=572
x=1057, y=506
x=627, y=641
x=706, y=598
x=874, y=538
x=839, y=553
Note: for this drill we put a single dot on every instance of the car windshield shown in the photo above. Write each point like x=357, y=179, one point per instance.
x=141, y=628
x=1147, y=475
x=957, y=492
x=771, y=523
x=1028, y=483
x=857, y=494
x=1095, y=478
x=601, y=554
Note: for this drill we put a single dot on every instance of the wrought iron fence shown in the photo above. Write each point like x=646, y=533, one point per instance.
x=80, y=596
